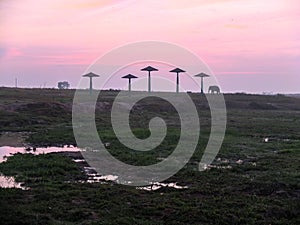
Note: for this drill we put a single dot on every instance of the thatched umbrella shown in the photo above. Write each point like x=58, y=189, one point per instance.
x=91, y=75
x=129, y=77
x=202, y=75
x=149, y=69
x=177, y=71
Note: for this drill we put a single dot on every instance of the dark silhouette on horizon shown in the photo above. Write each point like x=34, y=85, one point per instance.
x=214, y=89
x=177, y=71
x=202, y=75
x=129, y=77
x=149, y=69
x=91, y=75
x=63, y=85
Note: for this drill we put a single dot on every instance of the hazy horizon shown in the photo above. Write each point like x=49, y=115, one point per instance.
x=125, y=89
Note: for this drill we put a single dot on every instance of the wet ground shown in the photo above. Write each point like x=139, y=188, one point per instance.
x=75, y=154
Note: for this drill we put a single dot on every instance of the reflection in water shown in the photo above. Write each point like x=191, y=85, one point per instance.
x=96, y=178
x=78, y=160
x=6, y=151
x=93, y=177
x=158, y=185
x=9, y=182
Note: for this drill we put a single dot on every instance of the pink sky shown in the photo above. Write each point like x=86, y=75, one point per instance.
x=251, y=46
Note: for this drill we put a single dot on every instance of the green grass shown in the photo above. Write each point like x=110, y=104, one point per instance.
x=36, y=169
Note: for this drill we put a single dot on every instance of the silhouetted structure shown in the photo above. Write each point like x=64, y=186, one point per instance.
x=129, y=77
x=149, y=69
x=214, y=89
x=177, y=71
x=91, y=75
x=63, y=85
x=202, y=75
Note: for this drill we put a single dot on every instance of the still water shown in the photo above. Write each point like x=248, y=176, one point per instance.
x=6, y=151
x=9, y=182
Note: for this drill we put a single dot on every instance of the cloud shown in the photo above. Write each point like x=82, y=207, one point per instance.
x=2, y=52
x=179, y=4
x=236, y=26
x=90, y=4
x=10, y=52
x=13, y=52
x=48, y=56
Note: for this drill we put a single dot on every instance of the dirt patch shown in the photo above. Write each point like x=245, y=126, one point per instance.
x=13, y=139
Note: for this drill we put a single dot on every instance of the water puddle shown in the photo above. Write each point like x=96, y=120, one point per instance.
x=277, y=139
x=158, y=185
x=78, y=160
x=96, y=178
x=6, y=151
x=93, y=176
x=10, y=182
x=208, y=167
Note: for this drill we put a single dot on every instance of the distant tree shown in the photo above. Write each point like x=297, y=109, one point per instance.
x=63, y=85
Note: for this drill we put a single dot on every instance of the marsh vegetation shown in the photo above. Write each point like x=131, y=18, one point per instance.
x=253, y=180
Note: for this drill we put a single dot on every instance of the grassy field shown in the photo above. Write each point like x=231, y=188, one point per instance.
x=250, y=182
